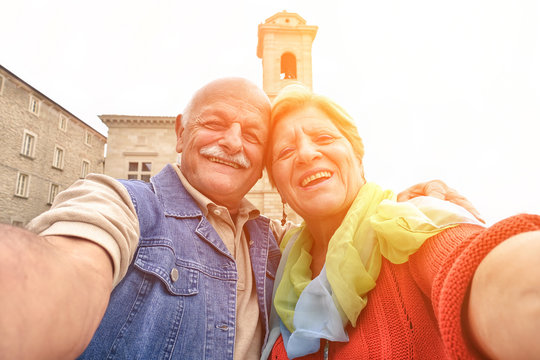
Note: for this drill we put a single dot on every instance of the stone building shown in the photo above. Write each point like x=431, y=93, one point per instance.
x=45, y=149
x=139, y=146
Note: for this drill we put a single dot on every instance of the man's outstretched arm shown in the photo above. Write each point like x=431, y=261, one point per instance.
x=54, y=292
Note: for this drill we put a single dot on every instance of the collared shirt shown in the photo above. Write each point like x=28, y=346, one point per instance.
x=248, y=338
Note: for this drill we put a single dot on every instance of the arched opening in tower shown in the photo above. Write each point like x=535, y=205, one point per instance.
x=288, y=66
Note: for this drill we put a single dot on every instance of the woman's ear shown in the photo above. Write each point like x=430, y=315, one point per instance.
x=362, y=171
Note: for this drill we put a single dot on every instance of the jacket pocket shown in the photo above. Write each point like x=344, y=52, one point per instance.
x=160, y=261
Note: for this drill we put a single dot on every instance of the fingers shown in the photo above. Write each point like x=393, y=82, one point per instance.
x=411, y=192
x=438, y=189
x=433, y=188
x=454, y=197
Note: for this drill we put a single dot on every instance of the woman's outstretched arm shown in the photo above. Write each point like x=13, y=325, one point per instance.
x=504, y=303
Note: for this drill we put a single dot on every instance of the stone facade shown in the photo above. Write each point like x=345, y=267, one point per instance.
x=45, y=149
x=139, y=146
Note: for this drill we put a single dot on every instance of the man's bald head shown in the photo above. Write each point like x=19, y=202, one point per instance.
x=227, y=87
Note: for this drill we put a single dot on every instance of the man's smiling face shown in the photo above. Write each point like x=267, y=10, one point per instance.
x=223, y=140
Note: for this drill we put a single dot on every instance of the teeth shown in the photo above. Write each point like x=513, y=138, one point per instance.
x=214, y=159
x=321, y=174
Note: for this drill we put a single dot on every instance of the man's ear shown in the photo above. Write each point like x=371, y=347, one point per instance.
x=179, y=129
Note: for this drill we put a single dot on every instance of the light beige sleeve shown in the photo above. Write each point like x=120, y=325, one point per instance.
x=280, y=230
x=98, y=209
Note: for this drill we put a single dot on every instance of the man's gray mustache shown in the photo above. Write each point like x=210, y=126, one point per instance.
x=217, y=151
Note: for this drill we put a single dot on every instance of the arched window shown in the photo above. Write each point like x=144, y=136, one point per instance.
x=288, y=66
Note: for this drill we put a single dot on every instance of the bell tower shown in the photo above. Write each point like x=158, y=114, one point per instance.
x=285, y=49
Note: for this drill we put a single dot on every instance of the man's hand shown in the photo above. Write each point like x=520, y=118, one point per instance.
x=438, y=189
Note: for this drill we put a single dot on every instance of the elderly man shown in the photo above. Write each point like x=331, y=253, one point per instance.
x=190, y=260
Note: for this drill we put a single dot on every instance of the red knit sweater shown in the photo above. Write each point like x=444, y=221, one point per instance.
x=415, y=309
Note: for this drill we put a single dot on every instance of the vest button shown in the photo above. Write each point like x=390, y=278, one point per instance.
x=174, y=274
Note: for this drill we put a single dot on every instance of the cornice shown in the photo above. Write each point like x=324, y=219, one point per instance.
x=137, y=121
x=273, y=26
x=20, y=83
x=285, y=13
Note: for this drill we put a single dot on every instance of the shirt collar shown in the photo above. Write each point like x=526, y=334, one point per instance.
x=205, y=204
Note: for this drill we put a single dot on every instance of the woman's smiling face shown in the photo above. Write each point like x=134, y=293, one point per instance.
x=315, y=167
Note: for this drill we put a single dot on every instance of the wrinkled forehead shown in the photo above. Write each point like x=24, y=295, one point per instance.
x=309, y=119
x=227, y=111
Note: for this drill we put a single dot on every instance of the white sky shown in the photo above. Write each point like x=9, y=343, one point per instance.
x=439, y=89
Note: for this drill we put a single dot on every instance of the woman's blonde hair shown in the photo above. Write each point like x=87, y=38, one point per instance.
x=298, y=96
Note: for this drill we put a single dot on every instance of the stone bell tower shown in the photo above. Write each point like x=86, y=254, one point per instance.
x=285, y=49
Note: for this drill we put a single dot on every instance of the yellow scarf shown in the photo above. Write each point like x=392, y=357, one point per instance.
x=375, y=225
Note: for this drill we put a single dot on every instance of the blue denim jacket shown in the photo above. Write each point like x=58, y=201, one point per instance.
x=178, y=298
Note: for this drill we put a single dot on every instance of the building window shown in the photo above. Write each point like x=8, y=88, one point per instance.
x=17, y=223
x=23, y=183
x=140, y=171
x=34, y=105
x=288, y=66
x=88, y=138
x=53, y=191
x=62, y=123
x=29, y=144
x=85, y=168
x=58, y=159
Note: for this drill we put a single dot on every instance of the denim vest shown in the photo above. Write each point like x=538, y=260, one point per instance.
x=178, y=298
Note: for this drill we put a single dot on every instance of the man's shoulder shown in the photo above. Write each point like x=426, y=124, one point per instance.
x=136, y=185
x=280, y=230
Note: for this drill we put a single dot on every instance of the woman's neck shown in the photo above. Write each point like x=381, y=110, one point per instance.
x=318, y=258
x=321, y=231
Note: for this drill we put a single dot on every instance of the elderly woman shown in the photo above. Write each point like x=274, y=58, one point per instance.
x=367, y=277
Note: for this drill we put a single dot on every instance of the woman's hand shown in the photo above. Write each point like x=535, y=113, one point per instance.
x=438, y=189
